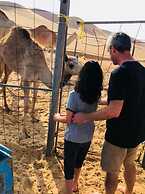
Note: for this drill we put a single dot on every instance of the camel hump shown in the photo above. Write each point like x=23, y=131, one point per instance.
x=21, y=32
x=42, y=27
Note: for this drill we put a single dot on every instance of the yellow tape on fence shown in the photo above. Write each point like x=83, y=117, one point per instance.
x=81, y=33
x=65, y=17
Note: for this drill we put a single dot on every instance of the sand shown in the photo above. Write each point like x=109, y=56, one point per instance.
x=34, y=173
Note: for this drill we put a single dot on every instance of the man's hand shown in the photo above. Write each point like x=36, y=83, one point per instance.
x=80, y=118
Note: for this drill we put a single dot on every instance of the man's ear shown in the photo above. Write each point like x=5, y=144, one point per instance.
x=113, y=50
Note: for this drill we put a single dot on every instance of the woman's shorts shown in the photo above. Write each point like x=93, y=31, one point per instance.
x=74, y=156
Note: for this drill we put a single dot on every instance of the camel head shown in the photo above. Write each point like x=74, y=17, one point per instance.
x=72, y=67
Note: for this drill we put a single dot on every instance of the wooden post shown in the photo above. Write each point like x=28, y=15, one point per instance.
x=60, y=46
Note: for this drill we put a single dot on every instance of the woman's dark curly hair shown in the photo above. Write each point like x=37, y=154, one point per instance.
x=89, y=84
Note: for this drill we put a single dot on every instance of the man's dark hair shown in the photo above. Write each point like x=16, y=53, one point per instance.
x=121, y=42
x=89, y=84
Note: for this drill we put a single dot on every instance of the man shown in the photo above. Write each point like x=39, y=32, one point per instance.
x=125, y=115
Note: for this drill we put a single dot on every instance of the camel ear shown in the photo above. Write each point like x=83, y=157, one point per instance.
x=65, y=58
x=77, y=57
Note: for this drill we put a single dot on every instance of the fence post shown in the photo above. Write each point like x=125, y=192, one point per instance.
x=60, y=46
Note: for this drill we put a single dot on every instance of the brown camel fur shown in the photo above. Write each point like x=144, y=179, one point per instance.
x=44, y=36
x=19, y=53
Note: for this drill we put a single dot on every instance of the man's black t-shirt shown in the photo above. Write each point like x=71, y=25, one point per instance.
x=127, y=83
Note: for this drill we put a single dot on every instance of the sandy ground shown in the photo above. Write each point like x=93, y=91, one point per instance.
x=36, y=174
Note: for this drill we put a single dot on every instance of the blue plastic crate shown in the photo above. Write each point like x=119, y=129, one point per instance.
x=6, y=171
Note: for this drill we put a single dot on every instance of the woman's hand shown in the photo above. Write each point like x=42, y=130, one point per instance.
x=56, y=117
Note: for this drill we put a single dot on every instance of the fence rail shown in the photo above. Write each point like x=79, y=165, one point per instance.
x=23, y=87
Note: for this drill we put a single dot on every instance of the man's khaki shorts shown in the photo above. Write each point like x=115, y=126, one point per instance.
x=113, y=157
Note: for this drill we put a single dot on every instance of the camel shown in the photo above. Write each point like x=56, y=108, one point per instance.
x=19, y=53
x=46, y=38
x=22, y=53
x=41, y=34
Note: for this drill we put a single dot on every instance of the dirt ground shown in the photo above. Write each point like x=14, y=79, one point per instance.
x=36, y=174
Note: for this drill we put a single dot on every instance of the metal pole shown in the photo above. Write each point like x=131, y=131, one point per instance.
x=113, y=22
x=60, y=46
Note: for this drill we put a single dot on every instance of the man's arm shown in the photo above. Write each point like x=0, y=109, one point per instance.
x=111, y=111
x=102, y=101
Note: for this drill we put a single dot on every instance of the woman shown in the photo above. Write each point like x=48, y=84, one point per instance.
x=77, y=138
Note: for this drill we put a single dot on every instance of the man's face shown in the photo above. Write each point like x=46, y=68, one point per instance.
x=113, y=55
